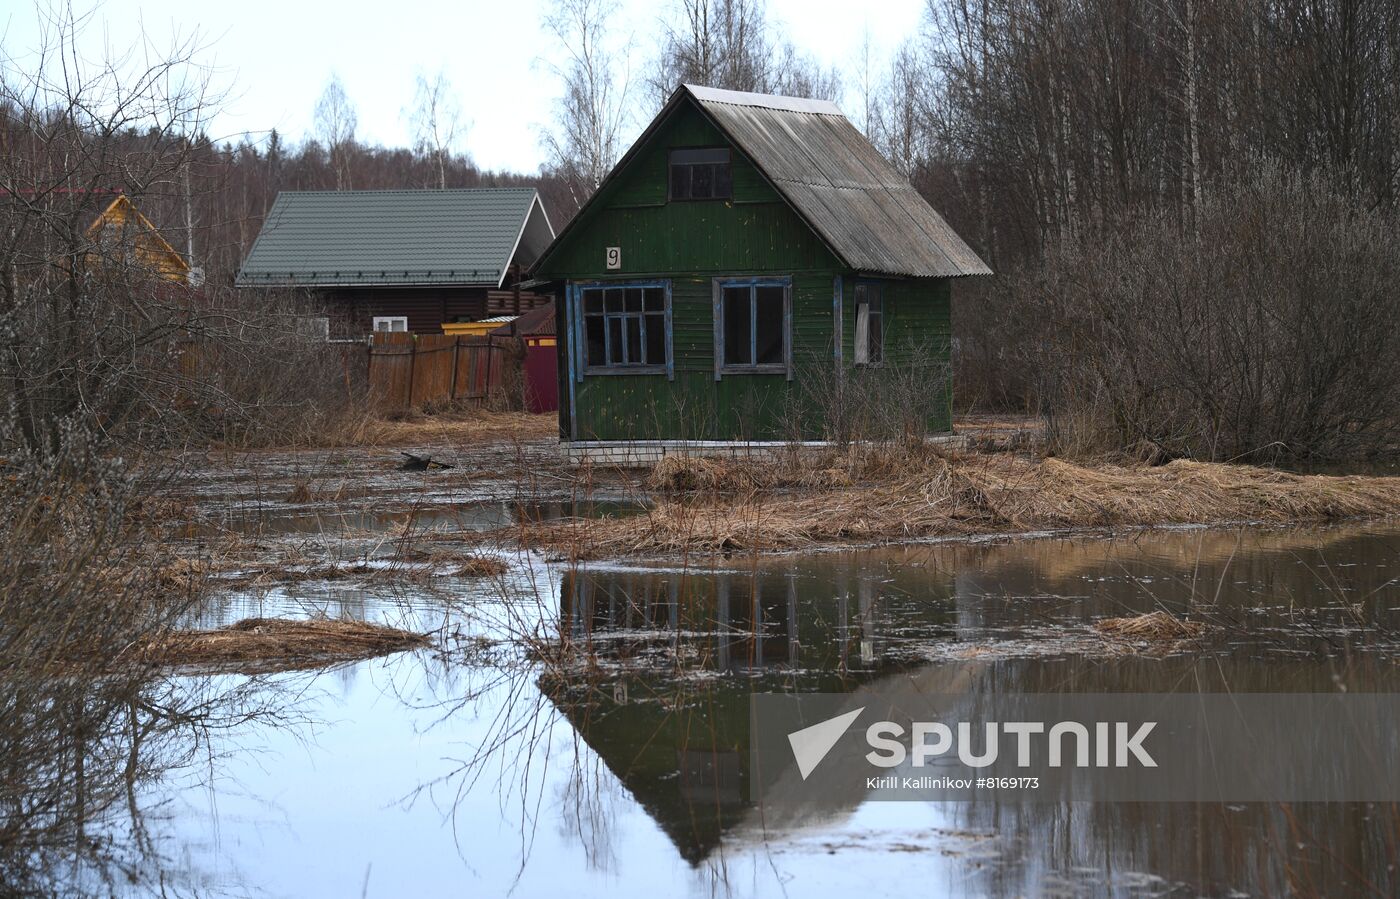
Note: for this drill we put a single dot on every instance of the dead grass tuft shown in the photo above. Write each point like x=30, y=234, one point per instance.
x=703, y=474
x=684, y=474
x=1153, y=626
x=300, y=493
x=277, y=644
x=467, y=565
x=481, y=566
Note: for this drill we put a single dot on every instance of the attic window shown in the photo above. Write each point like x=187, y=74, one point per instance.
x=701, y=174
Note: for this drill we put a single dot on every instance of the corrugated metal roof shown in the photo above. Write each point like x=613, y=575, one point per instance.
x=864, y=210
x=396, y=237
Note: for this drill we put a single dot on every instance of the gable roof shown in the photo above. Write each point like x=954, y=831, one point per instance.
x=120, y=222
x=866, y=213
x=397, y=237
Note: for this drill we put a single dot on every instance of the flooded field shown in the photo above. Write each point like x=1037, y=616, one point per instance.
x=584, y=731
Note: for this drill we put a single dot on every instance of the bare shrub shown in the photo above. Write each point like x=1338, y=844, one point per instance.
x=78, y=585
x=904, y=399
x=259, y=374
x=1274, y=334
x=102, y=319
x=94, y=318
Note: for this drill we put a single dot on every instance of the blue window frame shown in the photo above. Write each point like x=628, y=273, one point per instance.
x=623, y=327
x=753, y=326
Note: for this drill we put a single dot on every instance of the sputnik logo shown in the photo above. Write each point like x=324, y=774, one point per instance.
x=811, y=744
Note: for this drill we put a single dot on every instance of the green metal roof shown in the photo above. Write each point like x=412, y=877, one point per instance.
x=396, y=237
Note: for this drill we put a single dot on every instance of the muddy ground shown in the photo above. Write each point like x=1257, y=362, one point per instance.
x=509, y=486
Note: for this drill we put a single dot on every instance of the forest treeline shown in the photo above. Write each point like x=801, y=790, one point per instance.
x=1043, y=131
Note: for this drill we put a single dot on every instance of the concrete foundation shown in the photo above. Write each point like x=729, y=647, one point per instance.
x=645, y=453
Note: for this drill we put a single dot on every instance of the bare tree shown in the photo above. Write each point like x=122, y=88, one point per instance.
x=898, y=111
x=436, y=120
x=90, y=311
x=1244, y=342
x=336, y=121
x=866, y=78
x=593, y=113
x=90, y=326
x=731, y=44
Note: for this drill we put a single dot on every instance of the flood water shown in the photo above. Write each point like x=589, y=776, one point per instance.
x=583, y=732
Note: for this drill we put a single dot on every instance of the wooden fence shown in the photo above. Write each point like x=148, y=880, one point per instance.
x=408, y=372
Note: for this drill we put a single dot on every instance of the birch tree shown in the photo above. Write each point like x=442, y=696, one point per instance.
x=336, y=121
x=436, y=120
x=592, y=115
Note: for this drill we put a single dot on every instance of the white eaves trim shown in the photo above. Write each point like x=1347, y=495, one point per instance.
x=535, y=206
x=766, y=101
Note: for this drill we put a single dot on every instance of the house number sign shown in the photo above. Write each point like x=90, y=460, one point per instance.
x=614, y=258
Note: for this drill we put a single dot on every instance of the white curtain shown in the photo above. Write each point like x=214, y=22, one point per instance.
x=863, y=334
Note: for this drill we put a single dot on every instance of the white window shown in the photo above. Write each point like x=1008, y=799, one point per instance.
x=391, y=323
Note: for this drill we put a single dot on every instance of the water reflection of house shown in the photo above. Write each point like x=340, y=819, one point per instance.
x=675, y=734
x=726, y=621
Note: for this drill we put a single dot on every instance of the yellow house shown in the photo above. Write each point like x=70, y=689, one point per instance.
x=121, y=224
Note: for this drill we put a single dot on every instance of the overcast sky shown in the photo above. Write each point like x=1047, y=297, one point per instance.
x=277, y=55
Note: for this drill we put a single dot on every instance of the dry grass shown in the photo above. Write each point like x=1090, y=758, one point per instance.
x=481, y=566
x=465, y=426
x=894, y=496
x=277, y=644
x=1153, y=626
x=690, y=474
x=451, y=427
x=467, y=565
x=300, y=492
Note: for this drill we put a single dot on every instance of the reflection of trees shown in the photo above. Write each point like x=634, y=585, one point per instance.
x=766, y=620
x=1310, y=849
x=1320, y=849
x=76, y=758
x=588, y=801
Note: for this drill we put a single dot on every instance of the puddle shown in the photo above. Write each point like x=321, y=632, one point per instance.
x=621, y=767
x=266, y=520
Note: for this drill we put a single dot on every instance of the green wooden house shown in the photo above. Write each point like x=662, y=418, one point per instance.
x=745, y=249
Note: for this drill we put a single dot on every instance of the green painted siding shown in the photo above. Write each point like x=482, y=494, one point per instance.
x=690, y=244
x=918, y=331
x=756, y=231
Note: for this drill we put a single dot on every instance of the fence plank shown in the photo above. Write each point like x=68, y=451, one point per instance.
x=402, y=371
x=391, y=359
x=432, y=370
